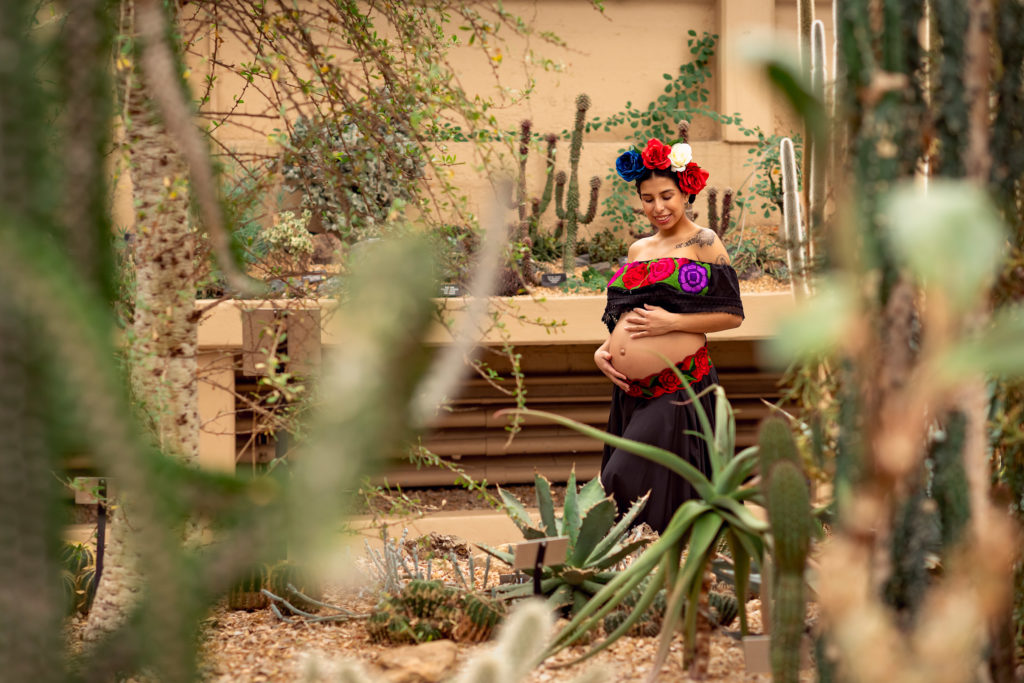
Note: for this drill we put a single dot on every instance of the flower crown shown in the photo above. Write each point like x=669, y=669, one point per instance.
x=692, y=178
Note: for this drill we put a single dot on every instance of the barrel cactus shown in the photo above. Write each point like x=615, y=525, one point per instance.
x=429, y=610
x=247, y=592
x=292, y=582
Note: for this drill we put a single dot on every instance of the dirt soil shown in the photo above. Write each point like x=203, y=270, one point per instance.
x=257, y=646
x=243, y=647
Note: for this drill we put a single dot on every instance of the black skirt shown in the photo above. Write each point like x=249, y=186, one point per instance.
x=662, y=421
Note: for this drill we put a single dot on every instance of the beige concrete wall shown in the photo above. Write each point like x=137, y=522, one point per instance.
x=615, y=57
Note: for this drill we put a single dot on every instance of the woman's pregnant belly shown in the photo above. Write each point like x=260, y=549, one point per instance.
x=638, y=358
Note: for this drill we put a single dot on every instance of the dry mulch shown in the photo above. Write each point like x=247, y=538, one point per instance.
x=256, y=646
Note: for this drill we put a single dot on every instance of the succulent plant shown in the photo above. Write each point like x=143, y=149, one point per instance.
x=717, y=513
x=596, y=542
x=247, y=592
x=569, y=212
x=429, y=610
x=789, y=513
x=292, y=582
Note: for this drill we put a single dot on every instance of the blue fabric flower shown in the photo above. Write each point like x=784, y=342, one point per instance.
x=630, y=166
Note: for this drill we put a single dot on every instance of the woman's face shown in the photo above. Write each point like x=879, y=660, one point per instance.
x=663, y=202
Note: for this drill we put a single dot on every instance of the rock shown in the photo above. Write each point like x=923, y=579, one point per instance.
x=423, y=663
x=326, y=246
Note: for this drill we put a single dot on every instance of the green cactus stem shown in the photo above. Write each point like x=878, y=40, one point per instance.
x=792, y=223
x=775, y=444
x=288, y=573
x=789, y=513
x=247, y=592
x=818, y=153
x=569, y=211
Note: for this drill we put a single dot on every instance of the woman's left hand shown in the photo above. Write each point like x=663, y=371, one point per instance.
x=650, y=321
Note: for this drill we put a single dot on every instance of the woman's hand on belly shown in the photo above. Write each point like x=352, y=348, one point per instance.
x=650, y=321
x=603, y=359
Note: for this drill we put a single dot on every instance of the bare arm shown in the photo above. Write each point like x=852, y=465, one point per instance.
x=651, y=321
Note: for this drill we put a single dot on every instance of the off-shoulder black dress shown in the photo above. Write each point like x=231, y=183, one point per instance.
x=656, y=409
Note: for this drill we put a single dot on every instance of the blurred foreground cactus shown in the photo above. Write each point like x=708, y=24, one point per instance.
x=569, y=211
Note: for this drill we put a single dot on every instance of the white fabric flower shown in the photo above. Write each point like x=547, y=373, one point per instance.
x=679, y=156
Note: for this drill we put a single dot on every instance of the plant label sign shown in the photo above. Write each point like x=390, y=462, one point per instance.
x=542, y=552
x=551, y=279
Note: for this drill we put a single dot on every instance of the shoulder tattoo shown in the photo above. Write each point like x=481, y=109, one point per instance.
x=704, y=238
x=722, y=260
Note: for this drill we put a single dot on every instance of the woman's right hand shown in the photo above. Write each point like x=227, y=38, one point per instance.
x=603, y=360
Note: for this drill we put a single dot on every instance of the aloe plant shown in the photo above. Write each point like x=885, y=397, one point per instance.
x=596, y=541
x=715, y=514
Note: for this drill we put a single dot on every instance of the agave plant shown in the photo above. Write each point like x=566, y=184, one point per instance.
x=718, y=513
x=596, y=541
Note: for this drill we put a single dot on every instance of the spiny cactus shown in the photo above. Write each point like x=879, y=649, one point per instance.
x=247, y=592
x=719, y=226
x=292, y=582
x=430, y=610
x=775, y=443
x=569, y=211
x=792, y=219
x=789, y=513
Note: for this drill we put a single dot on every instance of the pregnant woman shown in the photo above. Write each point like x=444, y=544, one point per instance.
x=676, y=286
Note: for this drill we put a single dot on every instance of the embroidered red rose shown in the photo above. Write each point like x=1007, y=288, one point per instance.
x=635, y=275
x=634, y=390
x=701, y=363
x=661, y=269
x=655, y=154
x=693, y=179
x=668, y=380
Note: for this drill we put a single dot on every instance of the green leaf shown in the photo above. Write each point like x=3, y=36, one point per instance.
x=590, y=494
x=494, y=552
x=597, y=521
x=616, y=554
x=516, y=511
x=571, y=512
x=546, y=504
x=737, y=471
x=741, y=574
x=658, y=455
x=619, y=529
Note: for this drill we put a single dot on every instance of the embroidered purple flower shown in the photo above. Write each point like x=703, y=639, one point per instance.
x=630, y=166
x=693, y=278
x=661, y=269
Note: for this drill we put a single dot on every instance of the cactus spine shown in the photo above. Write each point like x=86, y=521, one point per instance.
x=570, y=210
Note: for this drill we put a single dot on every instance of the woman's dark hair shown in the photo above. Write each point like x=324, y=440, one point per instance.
x=661, y=173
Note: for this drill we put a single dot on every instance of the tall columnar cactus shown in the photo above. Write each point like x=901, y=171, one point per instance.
x=570, y=210
x=792, y=220
x=789, y=512
x=818, y=153
x=720, y=223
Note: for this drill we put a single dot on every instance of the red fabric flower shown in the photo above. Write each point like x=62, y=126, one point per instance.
x=668, y=380
x=661, y=269
x=655, y=154
x=701, y=363
x=634, y=390
x=635, y=275
x=693, y=179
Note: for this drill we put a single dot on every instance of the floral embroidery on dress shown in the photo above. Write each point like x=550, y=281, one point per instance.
x=693, y=368
x=683, y=274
